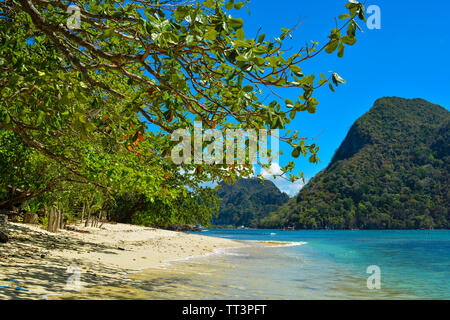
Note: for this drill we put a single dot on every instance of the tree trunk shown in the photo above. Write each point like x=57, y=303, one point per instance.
x=50, y=220
x=3, y=237
x=57, y=220
x=88, y=217
x=3, y=219
x=62, y=222
x=53, y=220
x=57, y=215
x=82, y=212
x=61, y=217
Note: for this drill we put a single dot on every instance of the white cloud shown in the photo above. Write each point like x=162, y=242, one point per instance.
x=291, y=188
x=274, y=169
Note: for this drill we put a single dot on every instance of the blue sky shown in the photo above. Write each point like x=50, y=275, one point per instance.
x=408, y=57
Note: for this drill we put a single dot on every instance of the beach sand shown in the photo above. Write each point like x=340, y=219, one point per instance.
x=42, y=262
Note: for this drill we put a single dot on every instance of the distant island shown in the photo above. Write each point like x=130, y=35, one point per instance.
x=390, y=172
x=246, y=202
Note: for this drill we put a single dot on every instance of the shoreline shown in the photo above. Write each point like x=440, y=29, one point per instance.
x=47, y=264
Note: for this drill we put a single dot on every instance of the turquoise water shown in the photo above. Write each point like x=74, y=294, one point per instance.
x=321, y=265
x=333, y=264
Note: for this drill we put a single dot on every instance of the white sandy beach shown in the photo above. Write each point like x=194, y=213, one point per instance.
x=42, y=262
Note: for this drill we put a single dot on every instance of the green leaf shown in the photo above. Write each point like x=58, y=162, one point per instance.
x=83, y=85
x=296, y=70
x=331, y=87
x=261, y=38
x=348, y=40
x=296, y=152
x=311, y=105
x=229, y=5
x=259, y=61
x=211, y=34
x=351, y=30
x=236, y=23
x=182, y=11
x=209, y=3
x=108, y=32
x=248, y=88
x=331, y=47
x=240, y=34
x=40, y=117
x=289, y=103
x=341, y=50
x=7, y=118
x=230, y=74
x=344, y=16
x=81, y=118
x=361, y=12
x=242, y=57
x=239, y=5
x=273, y=61
x=292, y=114
x=285, y=33
x=190, y=40
x=153, y=22
x=354, y=11
x=352, y=4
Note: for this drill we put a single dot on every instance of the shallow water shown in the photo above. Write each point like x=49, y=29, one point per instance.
x=322, y=265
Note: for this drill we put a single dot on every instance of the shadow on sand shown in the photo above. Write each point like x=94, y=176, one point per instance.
x=28, y=259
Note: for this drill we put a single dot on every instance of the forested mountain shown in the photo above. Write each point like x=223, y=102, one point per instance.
x=247, y=201
x=391, y=171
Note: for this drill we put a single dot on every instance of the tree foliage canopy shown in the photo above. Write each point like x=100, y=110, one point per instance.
x=99, y=101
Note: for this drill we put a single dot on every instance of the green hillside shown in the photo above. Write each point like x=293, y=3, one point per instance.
x=391, y=171
x=247, y=201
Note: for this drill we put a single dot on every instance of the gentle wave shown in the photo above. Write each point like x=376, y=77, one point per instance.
x=277, y=244
x=217, y=251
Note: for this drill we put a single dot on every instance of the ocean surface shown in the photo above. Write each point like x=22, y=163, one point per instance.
x=315, y=264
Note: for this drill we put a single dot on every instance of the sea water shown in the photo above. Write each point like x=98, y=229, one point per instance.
x=308, y=264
